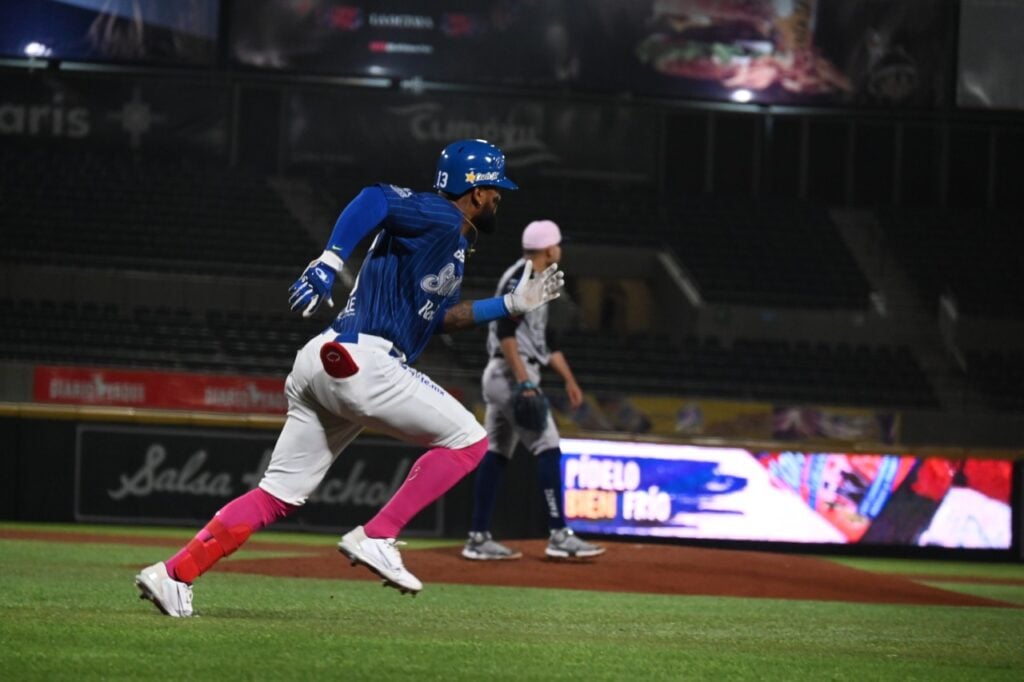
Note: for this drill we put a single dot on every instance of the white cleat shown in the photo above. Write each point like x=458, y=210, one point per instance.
x=172, y=597
x=380, y=556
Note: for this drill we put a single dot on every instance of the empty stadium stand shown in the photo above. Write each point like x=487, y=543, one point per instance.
x=86, y=210
x=999, y=376
x=116, y=211
x=69, y=332
x=973, y=256
x=749, y=369
x=231, y=342
x=765, y=252
x=761, y=252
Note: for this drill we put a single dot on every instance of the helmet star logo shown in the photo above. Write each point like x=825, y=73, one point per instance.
x=470, y=177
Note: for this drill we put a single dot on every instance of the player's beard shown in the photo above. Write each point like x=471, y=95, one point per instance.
x=487, y=221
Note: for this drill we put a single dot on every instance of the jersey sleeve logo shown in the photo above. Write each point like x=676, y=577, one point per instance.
x=443, y=283
x=402, y=192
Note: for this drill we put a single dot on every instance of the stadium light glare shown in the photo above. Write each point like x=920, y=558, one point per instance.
x=37, y=49
x=742, y=95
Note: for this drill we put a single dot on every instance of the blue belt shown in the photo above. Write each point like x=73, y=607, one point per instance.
x=353, y=337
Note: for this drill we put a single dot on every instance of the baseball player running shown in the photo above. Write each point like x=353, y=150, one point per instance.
x=518, y=411
x=357, y=374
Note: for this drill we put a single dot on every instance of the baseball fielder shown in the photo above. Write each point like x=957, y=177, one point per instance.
x=518, y=347
x=357, y=374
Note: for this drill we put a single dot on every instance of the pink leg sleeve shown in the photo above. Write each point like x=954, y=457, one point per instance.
x=431, y=476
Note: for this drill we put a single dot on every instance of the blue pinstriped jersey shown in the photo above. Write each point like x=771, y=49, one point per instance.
x=412, y=273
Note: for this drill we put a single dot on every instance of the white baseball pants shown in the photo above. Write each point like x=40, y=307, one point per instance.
x=325, y=414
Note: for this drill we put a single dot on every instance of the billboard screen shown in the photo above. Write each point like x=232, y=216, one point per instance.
x=870, y=52
x=124, y=31
x=988, y=63
x=729, y=493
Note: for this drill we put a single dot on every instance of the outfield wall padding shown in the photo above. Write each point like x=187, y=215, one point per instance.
x=172, y=474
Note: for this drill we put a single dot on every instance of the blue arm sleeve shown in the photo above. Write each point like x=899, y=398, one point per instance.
x=489, y=309
x=365, y=212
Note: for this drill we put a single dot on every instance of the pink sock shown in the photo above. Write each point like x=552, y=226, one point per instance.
x=431, y=476
x=254, y=510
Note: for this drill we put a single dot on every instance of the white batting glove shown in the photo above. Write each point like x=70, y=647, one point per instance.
x=533, y=292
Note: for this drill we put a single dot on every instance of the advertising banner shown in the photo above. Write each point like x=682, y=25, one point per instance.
x=164, y=390
x=644, y=489
x=369, y=132
x=680, y=416
x=184, y=475
x=188, y=117
x=853, y=52
x=850, y=52
x=167, y=390
x=477, y=41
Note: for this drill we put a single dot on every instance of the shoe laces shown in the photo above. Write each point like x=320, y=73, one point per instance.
x=183, y=591
x=561, y=535
x=390, y=552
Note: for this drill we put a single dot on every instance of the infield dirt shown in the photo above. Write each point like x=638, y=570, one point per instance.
x=626, y=567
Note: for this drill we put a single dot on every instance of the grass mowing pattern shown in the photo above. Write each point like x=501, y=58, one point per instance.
x=962, y=573
x=70, y=611
x=1014, y=594
x=976, y=569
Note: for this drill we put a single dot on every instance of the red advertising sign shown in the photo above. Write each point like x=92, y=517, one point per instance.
x=174, y=390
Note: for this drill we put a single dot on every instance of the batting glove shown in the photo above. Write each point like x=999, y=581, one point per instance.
x=314, y=286
x=532, y=293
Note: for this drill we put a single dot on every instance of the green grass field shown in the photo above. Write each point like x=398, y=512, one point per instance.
x=70, y=611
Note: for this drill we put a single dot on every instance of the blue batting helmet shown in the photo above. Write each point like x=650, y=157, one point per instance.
x=466, y=164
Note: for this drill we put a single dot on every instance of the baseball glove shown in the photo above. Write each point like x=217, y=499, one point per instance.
x=530, y=411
